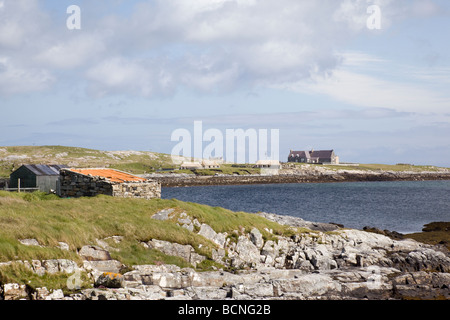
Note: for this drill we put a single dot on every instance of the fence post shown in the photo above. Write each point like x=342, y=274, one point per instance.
x=18, y=185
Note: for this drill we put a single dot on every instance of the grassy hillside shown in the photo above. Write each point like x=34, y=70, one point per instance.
x=79, y=222
x=137, y=162
x=132, y=161
x=82, y=221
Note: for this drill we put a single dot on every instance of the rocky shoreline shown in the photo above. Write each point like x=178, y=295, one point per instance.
x=186, y=180
x=325, y=262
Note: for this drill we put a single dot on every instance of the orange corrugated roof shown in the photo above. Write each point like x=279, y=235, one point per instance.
x=110, y=174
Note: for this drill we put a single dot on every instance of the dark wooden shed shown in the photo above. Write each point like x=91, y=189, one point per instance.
x=41, y=176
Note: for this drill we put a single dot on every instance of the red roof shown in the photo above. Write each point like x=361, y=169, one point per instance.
x=110, y=174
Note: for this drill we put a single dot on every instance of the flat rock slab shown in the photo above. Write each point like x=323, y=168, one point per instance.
x=299, y=222
x=163, y=214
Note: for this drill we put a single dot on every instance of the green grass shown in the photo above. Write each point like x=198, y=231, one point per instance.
x=134, y=162
x=133, y=253
x=144, y=162
x=134, y=167
x=81, y=221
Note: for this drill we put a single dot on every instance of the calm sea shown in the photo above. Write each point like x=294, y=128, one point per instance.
x=404, y=207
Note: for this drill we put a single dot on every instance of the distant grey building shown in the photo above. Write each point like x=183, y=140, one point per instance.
x=271, y=164
x=41, y=176
x=191, y=166
x=314, y=156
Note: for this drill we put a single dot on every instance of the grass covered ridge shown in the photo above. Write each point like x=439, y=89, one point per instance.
x=135, y=162
x=78, y=222
x=81, y=221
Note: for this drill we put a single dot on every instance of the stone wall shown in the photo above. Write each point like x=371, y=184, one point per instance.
x=72, y=184
x=146, y=190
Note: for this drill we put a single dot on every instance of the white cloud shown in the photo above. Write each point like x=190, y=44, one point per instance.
x=206, y=45
x=358, y=82
x=20, y=21
x=11, y=34
x=16, y=80
x=123, y=75
x=72, y=52
x=227, y=44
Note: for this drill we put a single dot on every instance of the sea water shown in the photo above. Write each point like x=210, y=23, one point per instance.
x=402, y=206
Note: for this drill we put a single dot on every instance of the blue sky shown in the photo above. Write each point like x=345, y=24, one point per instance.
x=138, y=70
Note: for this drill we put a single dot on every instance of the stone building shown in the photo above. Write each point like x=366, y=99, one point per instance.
x=191, y=165
x=205, y=164
x=210, y=164
x=272, y=164
x=314, y=156
x=92, y=182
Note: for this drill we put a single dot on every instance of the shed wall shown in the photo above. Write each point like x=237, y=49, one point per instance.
x=27, y=178
x=47, y=183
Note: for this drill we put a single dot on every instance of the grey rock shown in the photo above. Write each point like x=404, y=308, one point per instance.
x=206, y=293
x=30, y=242
x=51, y=266
x=113, y=266
x=172, y=249
x=257, y=238
x=163, y=214
x=186, y=252
x=207, y=232
x=248, y=253
x=94, y=253
x=57, y=294
x=255, y=290
x=37, y=267
x=309, y=285
x=270, y=248
x=15, y=291
x=298, y=222
x=67, y=266
x=63, y=246
x=41, y=293
x=218, y=255
x=197, y=223
x=196, y=258
x=109, y=280
x=346, y=264
x=184, y=220
x=189, y=226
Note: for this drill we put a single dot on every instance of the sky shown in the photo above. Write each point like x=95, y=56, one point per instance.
x=328, y=74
